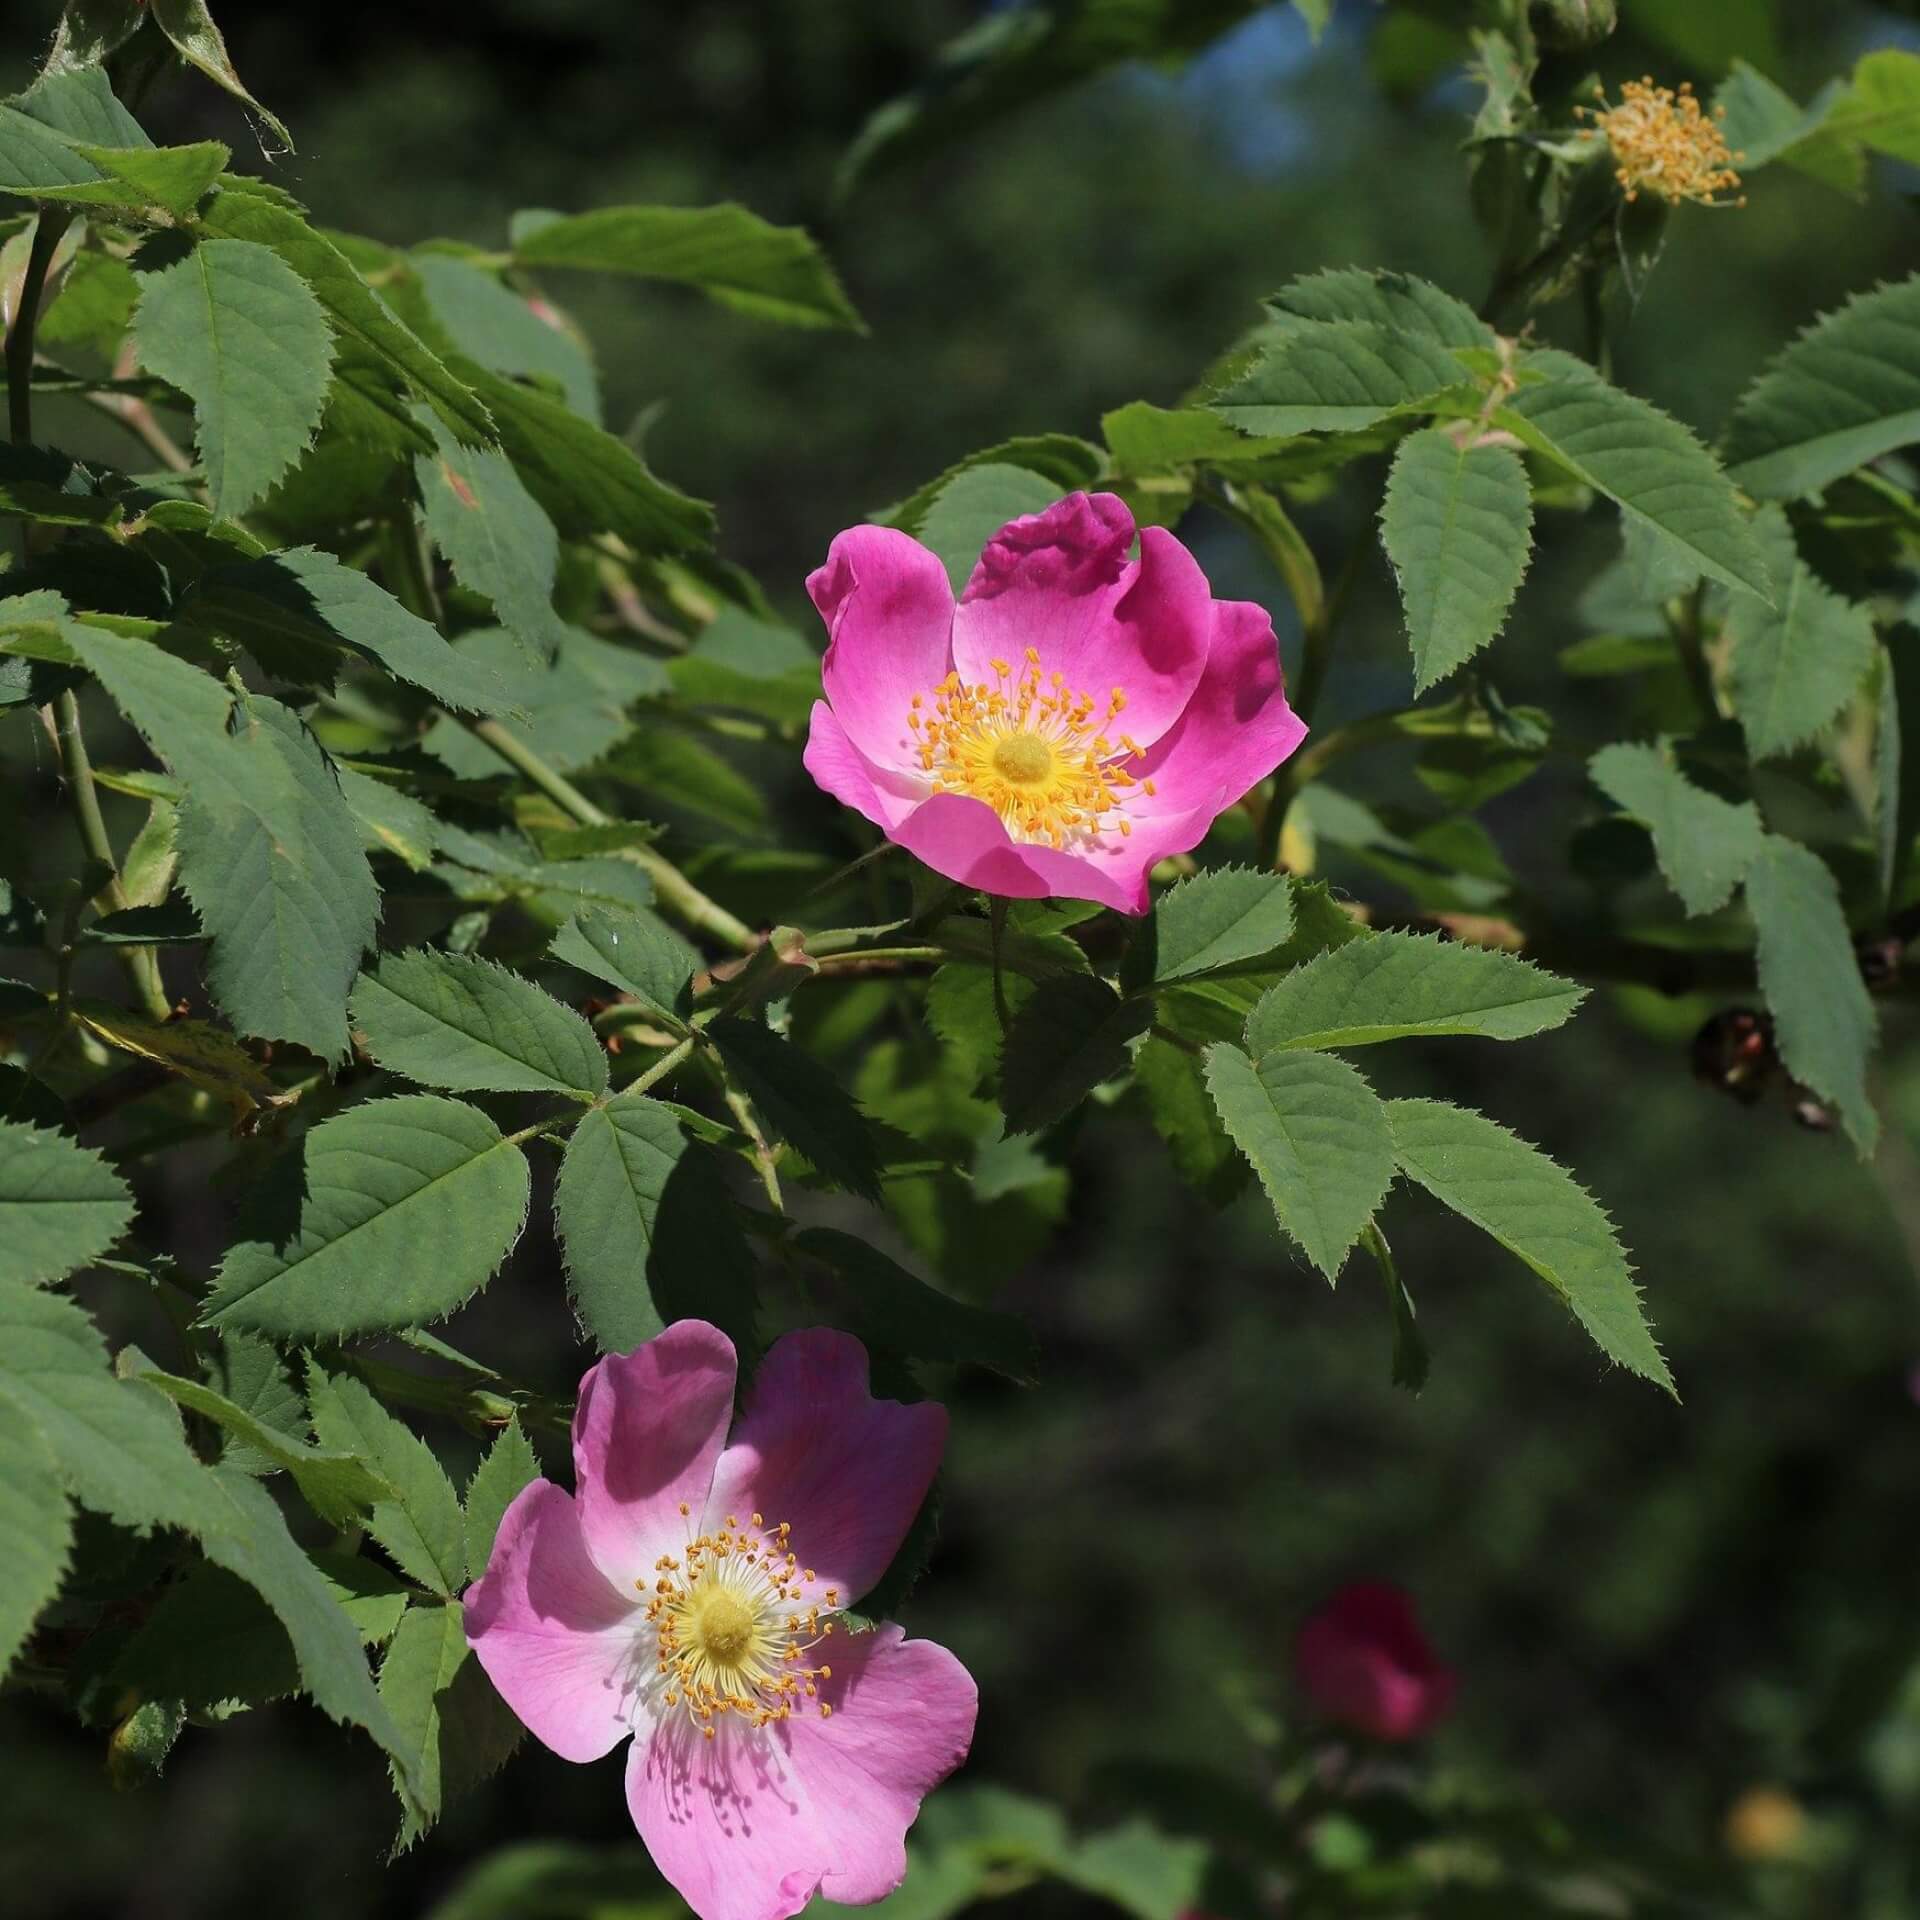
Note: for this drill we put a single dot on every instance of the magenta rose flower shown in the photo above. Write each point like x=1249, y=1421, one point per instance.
x=689, y=1592
x=1075, y=717
x=1365, y=1664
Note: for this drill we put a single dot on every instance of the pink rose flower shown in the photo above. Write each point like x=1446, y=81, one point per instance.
x=1074, y=718
x=1363, y=1662
x=687, y=1593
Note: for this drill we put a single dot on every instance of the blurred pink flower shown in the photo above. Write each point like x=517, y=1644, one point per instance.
x=687, y=1593
x=1364, y=1663
x=1076, y=717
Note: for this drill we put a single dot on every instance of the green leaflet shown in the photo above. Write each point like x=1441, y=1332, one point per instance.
x=1536, y=1210
x=196, y=39
x=420, y=1522
x=1212, y=922
x=492, y=326
x=1824, y=1022
x=36, y=1528
x=647, y=1229
x=1072, y=1034
x=361, y=320
x=973, y=506
x=803, y=1102
x=457, y=1021
x=304, y=598
x=507, y=1467
x=61, y=1205
x=1404, y=985
x=1456, y=524
x=120, y=1451
x=1399, y=301
x=337, y=1485
x=1845, y=392
x=1798, y=662
x=409, y=1205
x=769, y=272
x=634, y=953
x=1649, y=465
x=1337, y=376
x=237, y=330
x=269, y=851
x=1704, y=844
x=1317, y=1136
x=496, y=538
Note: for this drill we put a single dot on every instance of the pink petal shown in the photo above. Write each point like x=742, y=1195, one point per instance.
x=553, y=1634
x=647, y=1432
x=815, y=1449
x=1060, y=582
x=966, y=840
x=1236, y=729
x=903, y=1714
x=748, y=1826
x=841, y=769
x=889, y=614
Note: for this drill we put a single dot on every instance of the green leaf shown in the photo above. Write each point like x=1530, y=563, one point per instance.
x=973, y=506
x=1534, y=1209
x=1704, y=844
x=336, y=1485
x=1399, y=986
x=1074, y=1033
x=769, y=272
x=1649, y=465
x=421, y=1525
x=647, y=1229
x=1400, y=302
x=92, y=306
x=409, y=1206
x=1456, y=523
x=36, y=1528
x=803, y=1102
x=634, y=953
x=471, y=1025
x=585, y=480
x=1317, y=1136
x=147, y=182
x=270, y=853
x=1798, y=662
x=492, y=326
x=1337, y=376
x=361, y=320
x=507, y=1469
x=119, y=1448
x=496, y=538
x=428, y=1649
x=1880, y=107
x=1173, y=1084
x=1896, y=766
x=238, y=331
x=1210, y=922
x=91, y=30
x=61, y=1205
x=889, y=1308
x=1068, y=461
x=196, y=39
x=1845, y=392
x=303, y=597
x=1824, y=1022
x=36, y=163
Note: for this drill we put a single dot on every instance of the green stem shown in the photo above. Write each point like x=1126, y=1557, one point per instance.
x=76, y=766
x=1684, y=623
x=660, y=1068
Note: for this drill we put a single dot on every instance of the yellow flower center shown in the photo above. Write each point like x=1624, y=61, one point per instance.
x=1044, y=757
x=735, y=1617
x=1663, y=143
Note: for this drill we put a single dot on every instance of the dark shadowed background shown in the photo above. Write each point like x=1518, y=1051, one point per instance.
x=1652, y=1607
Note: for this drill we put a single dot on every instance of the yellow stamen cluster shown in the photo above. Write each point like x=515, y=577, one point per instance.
x=1045, y=758
x=1664, y=143
x=736, y=1616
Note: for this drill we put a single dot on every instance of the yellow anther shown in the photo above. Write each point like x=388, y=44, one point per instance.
x=1665, y=144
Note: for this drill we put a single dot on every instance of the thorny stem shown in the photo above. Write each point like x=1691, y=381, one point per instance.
x=64, y=722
